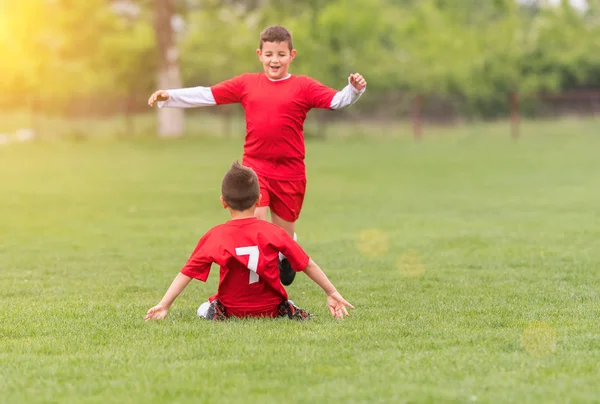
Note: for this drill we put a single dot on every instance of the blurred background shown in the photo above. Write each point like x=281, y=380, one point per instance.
x=86, y=68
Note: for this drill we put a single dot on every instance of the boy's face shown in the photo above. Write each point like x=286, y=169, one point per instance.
x=275, y=58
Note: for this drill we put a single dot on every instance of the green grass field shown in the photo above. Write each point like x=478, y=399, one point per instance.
x=473, y=262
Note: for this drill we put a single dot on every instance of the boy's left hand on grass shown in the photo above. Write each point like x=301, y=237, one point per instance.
x=158, y=312
x=337, y=305
x=357, y=81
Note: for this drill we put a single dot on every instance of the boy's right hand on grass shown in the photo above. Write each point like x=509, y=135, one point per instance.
x=158, y=312
x=160, y=95
x=337, y=305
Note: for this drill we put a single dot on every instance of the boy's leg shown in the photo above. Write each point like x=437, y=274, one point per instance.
x=286, y=199
x=265, y=199
x=288, y=309
x=261, y=213
x=286, y=272
x=289, y=227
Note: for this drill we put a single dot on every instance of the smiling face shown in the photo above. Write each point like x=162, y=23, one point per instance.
x=276, y=58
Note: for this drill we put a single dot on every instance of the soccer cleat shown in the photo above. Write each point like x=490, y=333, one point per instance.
x=216, y=311
x=288, y=309
x=286, y=273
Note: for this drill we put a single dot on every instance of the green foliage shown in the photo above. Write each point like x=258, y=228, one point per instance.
x=126, y=60
x=28, y=45
x=57, y=50
x=62, y=50
x=219, y=42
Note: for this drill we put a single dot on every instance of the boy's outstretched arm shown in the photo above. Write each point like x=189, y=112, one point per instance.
x=336, y=303
x=351, y=93
x=161, y=310
x=183, y=98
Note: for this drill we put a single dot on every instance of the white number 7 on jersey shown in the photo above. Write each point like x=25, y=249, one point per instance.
x=252, y=261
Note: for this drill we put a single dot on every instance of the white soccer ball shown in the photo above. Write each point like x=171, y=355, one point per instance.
x=203, y=309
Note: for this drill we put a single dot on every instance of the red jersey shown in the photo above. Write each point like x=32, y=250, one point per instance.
x=275, y=115
x=247, y=251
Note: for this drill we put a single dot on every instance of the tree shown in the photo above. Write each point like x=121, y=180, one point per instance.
x=125, y=57
x=47, y=50
x=170, y=120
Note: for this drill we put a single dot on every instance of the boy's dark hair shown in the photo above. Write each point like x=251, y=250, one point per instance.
x=240, y=188
x=276, y=33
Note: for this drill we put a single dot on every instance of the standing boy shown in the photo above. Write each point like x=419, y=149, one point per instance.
x=276, y=104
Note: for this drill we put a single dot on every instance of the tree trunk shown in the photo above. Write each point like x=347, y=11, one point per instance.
x=170, y=120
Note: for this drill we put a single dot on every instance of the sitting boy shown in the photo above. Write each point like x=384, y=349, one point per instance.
x=247, y=252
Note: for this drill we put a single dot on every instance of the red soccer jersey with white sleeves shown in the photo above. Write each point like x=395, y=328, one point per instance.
x=247, y=252
x=275, y=115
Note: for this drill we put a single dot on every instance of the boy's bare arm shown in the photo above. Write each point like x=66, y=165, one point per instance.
x=335, y=302
x=351, y=93
x=161, y=310
x=183, y=98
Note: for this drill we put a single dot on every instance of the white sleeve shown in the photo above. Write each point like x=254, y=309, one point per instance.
x=189, y=98
x=348, y=96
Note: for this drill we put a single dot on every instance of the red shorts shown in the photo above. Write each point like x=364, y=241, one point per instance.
x=285, y=198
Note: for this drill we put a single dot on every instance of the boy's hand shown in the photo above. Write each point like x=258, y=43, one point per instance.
x=357, y=81
x=160, y=95
x=337, y=305
x=158, y=312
